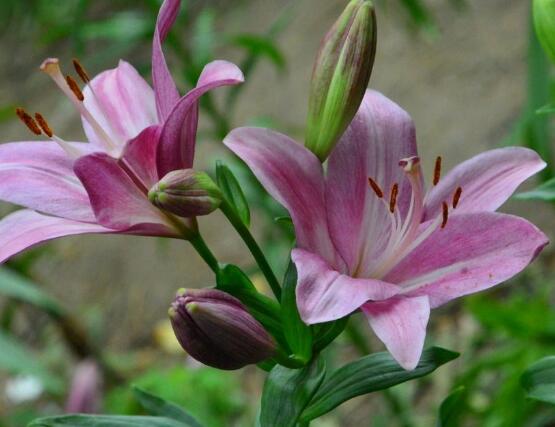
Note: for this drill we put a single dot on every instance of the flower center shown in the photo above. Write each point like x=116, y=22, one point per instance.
x=404, y=234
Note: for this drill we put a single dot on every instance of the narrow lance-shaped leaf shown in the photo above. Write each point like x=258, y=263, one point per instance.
x=371, y=373
x=451, y=408
x=105, y=421
x=297, y=333
x=155, y=405
x=539, y=380
x=287, y=392
x=545, y=192
x=232, y=192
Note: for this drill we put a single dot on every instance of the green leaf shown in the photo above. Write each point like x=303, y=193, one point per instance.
x=155, y=405
x=546, y=109
x=539, y=380
x=297, y=333
x=451, y=408
x=18, y=359
x=204, y=37
x=260, y=46
x=121, y=27
x=544, y=22
x=325, y=333
x=545, y=192
x=371, y=373
x=16, y=286
x=234, y=281
x=232, y=192
x=287, y=392
x=105, y=421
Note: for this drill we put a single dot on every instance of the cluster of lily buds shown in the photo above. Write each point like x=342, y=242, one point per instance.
x=217, y=330
x=340, y=76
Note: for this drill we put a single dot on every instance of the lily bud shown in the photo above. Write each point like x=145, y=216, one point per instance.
x=85, y=391
x=186, y=193
x=544, y=22
x=340, y=76
x=217, y=330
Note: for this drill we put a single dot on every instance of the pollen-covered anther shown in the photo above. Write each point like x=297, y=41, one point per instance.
x=44, y=125
x=374, y=186
x=80, y=70
x=457, y=197
x=75, y=88
x=393, y=197
x=445, y=213
x=28, y=121
x=437, y=170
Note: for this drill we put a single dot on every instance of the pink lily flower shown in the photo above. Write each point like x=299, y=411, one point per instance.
x=391, y=248
x=136, y=135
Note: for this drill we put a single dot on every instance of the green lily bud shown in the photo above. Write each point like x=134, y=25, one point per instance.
x=217, y=330
x=544, y=22
x=340, y=76
x=186, y=193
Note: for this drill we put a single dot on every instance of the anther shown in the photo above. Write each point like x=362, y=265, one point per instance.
x=445, y=213
x=393, y=197
x=75, y=88
x=28, y=121
x=44, y=125
x=81, y=71
x=374, y=185
x=457, y=197
x=437, y=170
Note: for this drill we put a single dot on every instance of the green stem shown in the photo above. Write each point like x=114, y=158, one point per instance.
x=255, y=250
x=396, y=406
x=200, y=245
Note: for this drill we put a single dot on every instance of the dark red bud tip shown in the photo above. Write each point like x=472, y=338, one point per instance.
x=216, y=329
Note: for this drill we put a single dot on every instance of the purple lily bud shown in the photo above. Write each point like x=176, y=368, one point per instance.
x=84, y=395
x=217, y=330
x=340, y=76
x=186, y=193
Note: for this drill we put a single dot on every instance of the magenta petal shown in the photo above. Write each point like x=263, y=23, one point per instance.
x=294, y=177
x=401, y=325
x=323, y=294
x=122, y=103
x=380, y=135
x=117, y=201
x=140, y=155
x=164, y=87
x=39, y=175
x=487, y=180
x=25, y=228
x=472, y=253
x=177, y=141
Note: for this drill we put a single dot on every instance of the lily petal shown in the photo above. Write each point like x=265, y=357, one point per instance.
x=140, y=155
x=164, y=87
x=472, y=253
x=25, y=228
x=379, y=136
x=122, y=102
x=323, y=294
x=39, y=175
x=294, y=177
x=487, y=180
x=117, y=201
x=176, y=149
x=401, y=325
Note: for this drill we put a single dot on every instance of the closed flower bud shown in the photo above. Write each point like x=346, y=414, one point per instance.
x=85, y=392
x=217, y=330
x=544, y=21
x=186, y=193
x=340, y=76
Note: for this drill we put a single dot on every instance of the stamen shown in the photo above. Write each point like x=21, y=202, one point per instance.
x=393, y=197
x=457, y=197
x=44, y=125
x=28, y=121
x=437, y=170
x=374, y=185
x=81, y=71
x=445, y=212
x=75, y=88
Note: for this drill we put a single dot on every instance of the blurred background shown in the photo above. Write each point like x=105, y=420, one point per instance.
x=470, y=73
